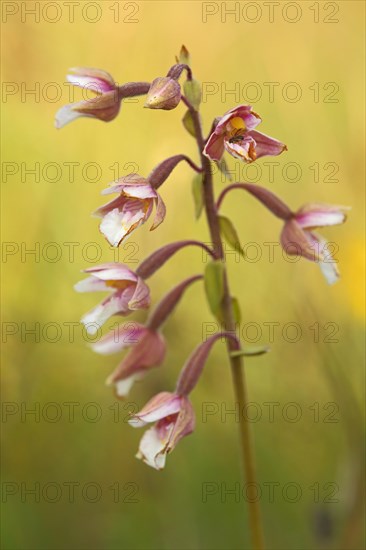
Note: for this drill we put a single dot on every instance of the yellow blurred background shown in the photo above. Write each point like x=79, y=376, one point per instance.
x=310, y=452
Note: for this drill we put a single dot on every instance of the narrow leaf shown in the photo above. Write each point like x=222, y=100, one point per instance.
x=214, y=286
x=197, y=191
x=229, y=233
x=251, y=352
x=192, y=91
x=188, y=124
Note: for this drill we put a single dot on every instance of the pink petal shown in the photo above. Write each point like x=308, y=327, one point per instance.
x=160, y=213
x=86, y=76
x=320, y=215
x=214, y=148
x=184, y=424
x=296, y=241
x=112, y=272
x=104, y=107
x=93, y=84
x=149, y=353
x=243, y=111
x=266, y=145
x=160, y=406
x=141, y=296
x=132, y=185
x=128, y=334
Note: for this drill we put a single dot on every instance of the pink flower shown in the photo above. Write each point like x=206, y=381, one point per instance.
x=104, y=106
x=174, y=417
x=147, y=351
x=129, y=293
x=297, y=236
x=235, y=133
x=130, y=209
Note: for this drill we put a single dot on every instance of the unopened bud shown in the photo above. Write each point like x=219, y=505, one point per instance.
x=164, y=94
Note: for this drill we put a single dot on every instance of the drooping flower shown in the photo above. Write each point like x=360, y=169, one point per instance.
x=130, y=293
x=173, y=413
x=235, y=133
x=104, y=106
x=130, y=209
x=164, y=93
x=298, y=237
x=147, y=351
x=174, y=418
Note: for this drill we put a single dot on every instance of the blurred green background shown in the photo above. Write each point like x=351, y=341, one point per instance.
x=320, y=455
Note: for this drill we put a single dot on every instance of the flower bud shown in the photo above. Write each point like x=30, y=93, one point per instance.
x=164, y=94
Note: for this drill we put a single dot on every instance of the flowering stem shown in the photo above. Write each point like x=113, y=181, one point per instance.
x=237, y=366
x=133, y=89
x=267, y=198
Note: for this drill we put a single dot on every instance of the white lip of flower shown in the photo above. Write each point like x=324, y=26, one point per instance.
x=238, y=150
x=94, y=319
x=152, y=449
x=123, y=386
x=327, y=264
x=115, y=227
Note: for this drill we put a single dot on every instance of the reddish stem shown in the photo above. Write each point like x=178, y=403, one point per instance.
x=237, y=367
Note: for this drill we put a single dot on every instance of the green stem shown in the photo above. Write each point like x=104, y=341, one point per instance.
x=237, y=364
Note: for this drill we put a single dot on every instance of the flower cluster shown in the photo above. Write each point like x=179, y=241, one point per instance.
x=136, y=197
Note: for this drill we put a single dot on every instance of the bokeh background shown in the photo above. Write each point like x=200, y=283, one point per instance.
x=321, y=452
